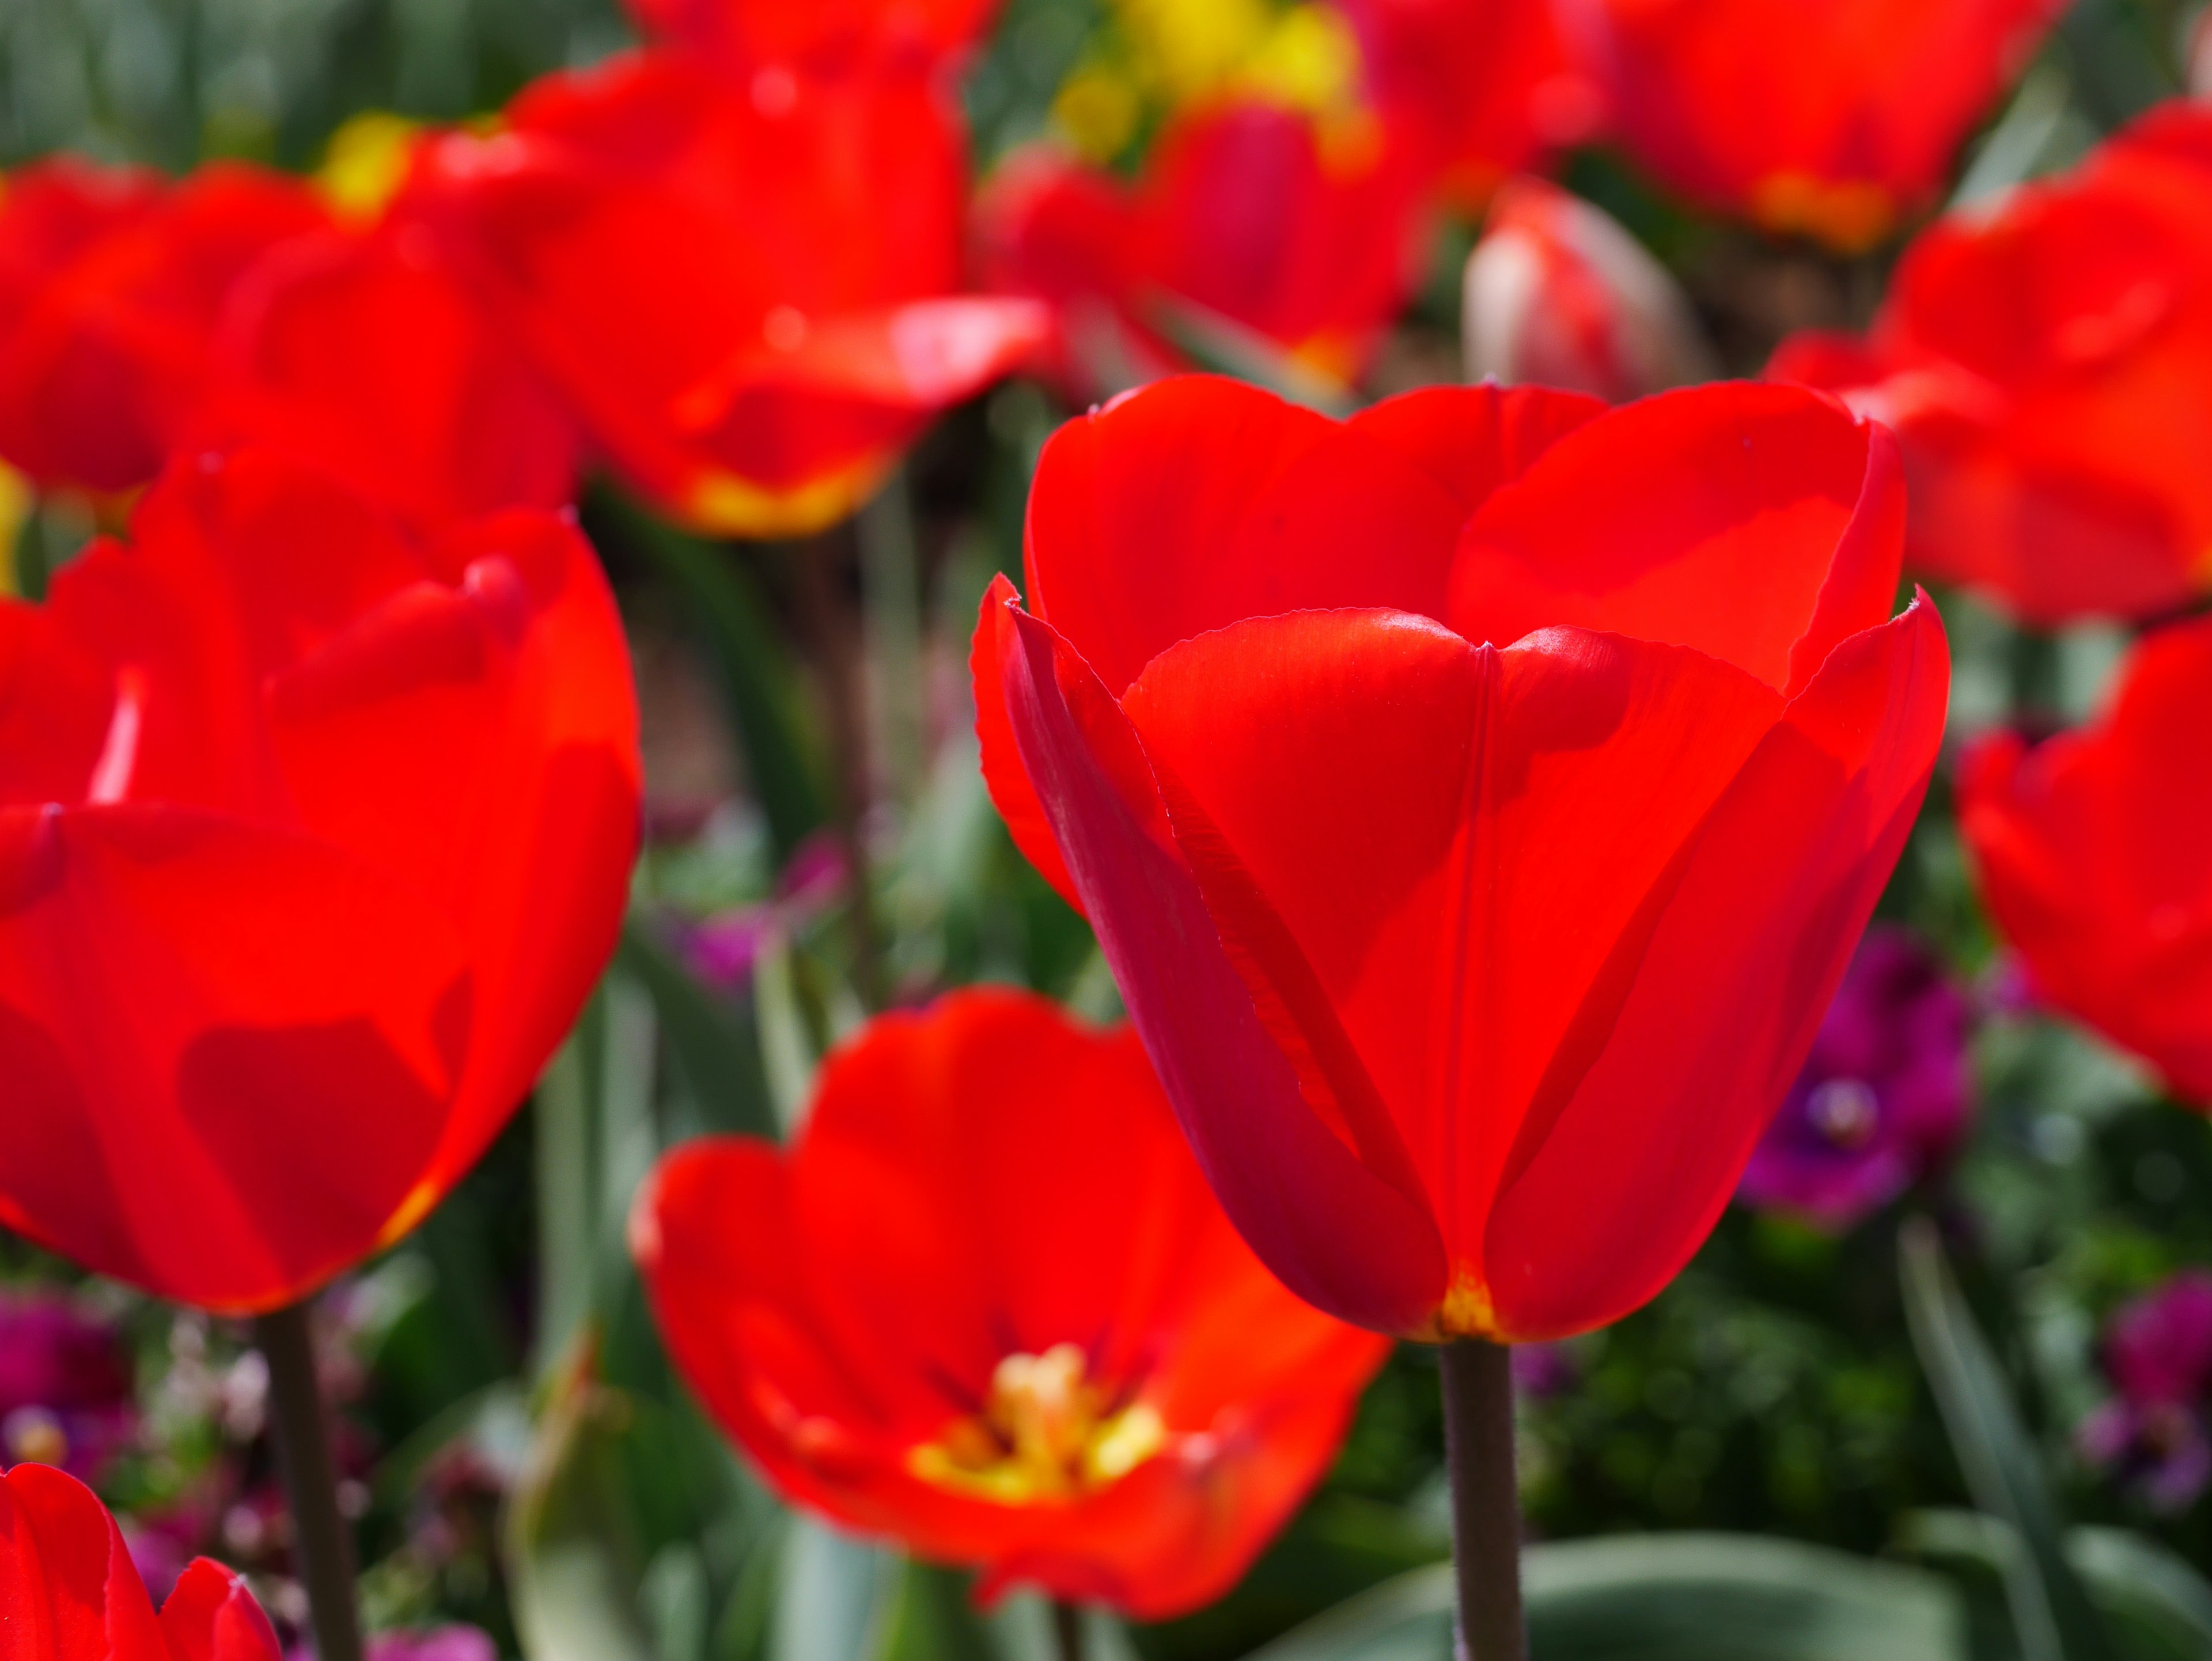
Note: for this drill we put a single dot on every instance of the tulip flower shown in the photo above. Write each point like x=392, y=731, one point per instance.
x=314, y=837
x=360, y=354
x=1884, y=1097
x=1477, y=801
x=986, y=1306
x=2047, y=365
x=752, y=33
x=72, y=1594
x=1485, y=86
x=2158, y=1355
x=1558, y=294
x=1837, y=121
x=1253, y=237
x=2094, y=854
x=66, y=1394
x=746, y=292
x=111, y=288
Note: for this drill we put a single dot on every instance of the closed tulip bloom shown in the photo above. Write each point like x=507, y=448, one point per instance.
x=111, y=290
x=2047, y=365
x=745, y=288
x=71, y=1591
x=1254, y=235
x=360, y=353
x=1835, y=118
x=986, y=1306
x=1477, y=801
x=2094, y=854
x=1558, y=293
x=314, y=837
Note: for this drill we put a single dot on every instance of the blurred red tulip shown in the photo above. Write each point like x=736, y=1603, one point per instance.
x=360, y=354
x=1258, y=236
x=313, y=838
x=1836, y=119
x=746, y=292
x=1558, y=293
x=986, y=1305
x=110, y=287
x=1485, y=85
x=2048, y=368
x=1473, y=974
x=752, y=32
x=70, y=1592
x=2093, y=851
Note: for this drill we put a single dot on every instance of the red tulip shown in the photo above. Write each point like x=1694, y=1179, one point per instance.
x=1251, y=234
x=1558, y=294
x=314, y=837
x=1485, y=85
x=1837, y=120
x=986, y=1305
x=109, y=291
x=1473, y=974
x=2047, y=368
x=752, y=32
x=360, y=354
x=69, y=1591
x=746, y=295
x=2093, y=851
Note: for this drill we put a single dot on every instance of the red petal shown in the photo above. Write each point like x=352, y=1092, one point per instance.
x=1199, y=501
x=68, y=1588
x=1758, y=524
x=1338, y=1234
x=1705, y=1010
x=211, y=1615
x=1012, y=793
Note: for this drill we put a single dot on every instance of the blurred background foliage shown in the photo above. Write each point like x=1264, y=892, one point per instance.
x=518, y=1452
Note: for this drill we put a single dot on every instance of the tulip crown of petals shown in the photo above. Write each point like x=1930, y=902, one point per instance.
x=1473, y=971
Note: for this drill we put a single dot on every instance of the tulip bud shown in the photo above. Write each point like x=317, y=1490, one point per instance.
x=1558, y=293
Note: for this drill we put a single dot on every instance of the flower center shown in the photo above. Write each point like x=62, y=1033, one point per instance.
x=1045, y=1432
x=1844, y=1111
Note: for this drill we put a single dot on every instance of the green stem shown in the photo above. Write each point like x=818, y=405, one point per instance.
x=1485, y=1501
x=322, y=1544
x=1067, y=1630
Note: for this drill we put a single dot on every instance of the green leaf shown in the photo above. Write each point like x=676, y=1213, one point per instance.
x=1664, y=1597
x=758, y=684
x=711, y=1045
x=2159, y=1606
x=2052, y=1613
x=833, y=1598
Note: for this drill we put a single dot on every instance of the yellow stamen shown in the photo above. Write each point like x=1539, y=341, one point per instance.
x=1045, y=1432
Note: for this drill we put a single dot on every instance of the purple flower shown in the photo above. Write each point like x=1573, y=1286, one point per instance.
x=454, y=1642
x=1884, y=1097
x=2158, y=1353
x=64, y=1384
x=1543, y=1370
x=723, y=950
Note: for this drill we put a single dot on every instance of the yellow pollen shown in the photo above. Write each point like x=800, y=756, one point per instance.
x=1466, y=1311
x=1046, y=1432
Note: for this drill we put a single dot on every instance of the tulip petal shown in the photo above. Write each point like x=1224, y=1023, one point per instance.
x=1199, y=501
x=281, y=996
x=68, y=1587
x=211, y=1615
x=1008, y=781
x=1617, y=1177
x=1740, y=519
x=1269, y=1157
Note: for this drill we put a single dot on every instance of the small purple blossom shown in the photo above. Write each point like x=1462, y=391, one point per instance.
x=1884, y=1097
x=66, y=1394
x=723, y=950
x=1543, y=1370
x=2158, y=1353
x=456, y=1641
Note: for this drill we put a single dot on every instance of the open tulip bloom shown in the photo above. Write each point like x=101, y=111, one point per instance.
x=986, y=1305
x=69, y=1591
x=1477, y=801
x=2093, y=853
x=313, y=838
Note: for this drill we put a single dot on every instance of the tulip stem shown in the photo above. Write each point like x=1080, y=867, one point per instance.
x=322, y=1545
x=1486, y=1500
x=1067, y=1629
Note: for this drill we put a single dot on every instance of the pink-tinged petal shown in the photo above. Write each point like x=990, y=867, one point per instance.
x=1758, y=524
x=1008, y=781
x=1273, y=1162
x=276, y=994
x=1199, y=501
x=1704, y=1014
